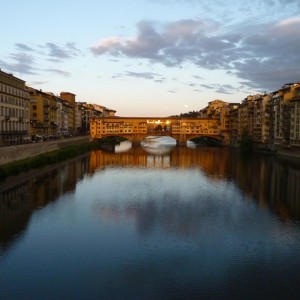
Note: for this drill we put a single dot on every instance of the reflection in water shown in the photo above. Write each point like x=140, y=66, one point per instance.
x=185, y=224
x=20, y=197
x=270, y=181
x=123, y=147
x=159, y=147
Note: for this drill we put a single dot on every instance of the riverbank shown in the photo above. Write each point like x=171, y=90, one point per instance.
x=14, y=153
x=67, y=150
x=289, y=151
x=24, y=158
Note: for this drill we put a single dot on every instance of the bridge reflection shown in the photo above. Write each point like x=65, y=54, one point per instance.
x=271, y=182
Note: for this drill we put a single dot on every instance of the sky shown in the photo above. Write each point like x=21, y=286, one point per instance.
x=152, y=57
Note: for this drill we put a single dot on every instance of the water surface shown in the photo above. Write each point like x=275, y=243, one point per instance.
x=153, y=223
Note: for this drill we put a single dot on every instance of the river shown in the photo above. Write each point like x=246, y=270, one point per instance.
x=153, y=222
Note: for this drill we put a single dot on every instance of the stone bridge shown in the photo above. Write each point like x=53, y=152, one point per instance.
x=137, y=129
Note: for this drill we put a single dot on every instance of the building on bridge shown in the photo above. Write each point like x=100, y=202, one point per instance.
x=136, y=129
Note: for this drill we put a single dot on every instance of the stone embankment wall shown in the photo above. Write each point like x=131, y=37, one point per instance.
x=290, y=152
x=18, y=152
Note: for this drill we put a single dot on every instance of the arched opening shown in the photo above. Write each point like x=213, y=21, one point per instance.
x=204, y=141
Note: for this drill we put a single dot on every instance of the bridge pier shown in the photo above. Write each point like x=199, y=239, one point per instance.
x=136, y=142
x=180, y=143
x=180, y=139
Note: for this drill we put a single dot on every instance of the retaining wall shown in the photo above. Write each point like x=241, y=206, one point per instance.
x=18, y=152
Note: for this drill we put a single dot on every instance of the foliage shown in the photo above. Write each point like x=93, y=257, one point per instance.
x=190, y=114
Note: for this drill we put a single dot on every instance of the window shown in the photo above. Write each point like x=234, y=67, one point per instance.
x=34, y=107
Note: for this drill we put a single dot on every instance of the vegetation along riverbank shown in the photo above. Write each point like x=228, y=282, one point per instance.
x=41, y=160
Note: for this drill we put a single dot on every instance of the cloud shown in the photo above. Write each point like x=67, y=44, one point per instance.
x=58, y=53
x=143, y=75
x=72, y=47
x=58, y=72
x=263, y=54
x=207, y=86
x=37, y=83
x=220, y=88
x=23, y=47
x=242, y=7
x=273, y=55
x=191, y=84
x=170, y=44
x=22, y=63
x=197, y=77
x=226, y=89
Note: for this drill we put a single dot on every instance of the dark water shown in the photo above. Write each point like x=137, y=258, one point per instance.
x=201, y=223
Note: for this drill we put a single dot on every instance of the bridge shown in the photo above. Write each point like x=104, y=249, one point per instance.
x=138, y=128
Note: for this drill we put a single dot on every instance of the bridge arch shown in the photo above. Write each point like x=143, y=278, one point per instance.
x=207, y=140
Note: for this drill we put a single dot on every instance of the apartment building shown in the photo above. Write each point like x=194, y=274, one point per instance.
x=89, y=111
x=229, y=122
x=246, y=116
x=70, y=98
x=214, y=109
x=295, y=115
x=78, y=118
x=286, y=118
x=43, y=113
x=14, y=110
x=234, y=125
x=271, y=119
x=62, y=117
x=261, y=119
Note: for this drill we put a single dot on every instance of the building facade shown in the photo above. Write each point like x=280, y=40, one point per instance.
x=43, y=114
x=14, y=110
x=70, y=98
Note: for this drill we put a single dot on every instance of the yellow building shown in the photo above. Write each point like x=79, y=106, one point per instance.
x=14, y=110
x=43, y=113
